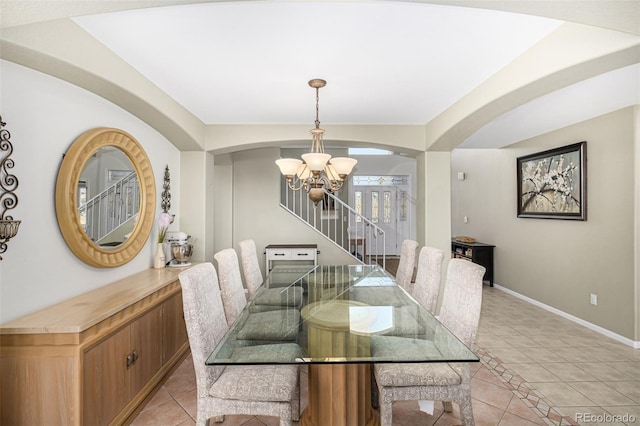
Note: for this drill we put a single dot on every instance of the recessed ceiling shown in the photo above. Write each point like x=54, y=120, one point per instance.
x=385, y=62
x=249, y=62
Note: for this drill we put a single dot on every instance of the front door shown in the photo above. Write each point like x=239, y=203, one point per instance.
x=379, y=204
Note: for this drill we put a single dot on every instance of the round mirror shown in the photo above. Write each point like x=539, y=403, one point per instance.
x=105, y=195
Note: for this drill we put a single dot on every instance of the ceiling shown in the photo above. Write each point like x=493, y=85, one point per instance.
x=400, y=63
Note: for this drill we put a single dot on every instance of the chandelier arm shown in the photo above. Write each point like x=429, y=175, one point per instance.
x=329, y=184
x=291, y=183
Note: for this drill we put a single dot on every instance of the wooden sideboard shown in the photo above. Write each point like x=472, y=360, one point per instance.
x=94, y=359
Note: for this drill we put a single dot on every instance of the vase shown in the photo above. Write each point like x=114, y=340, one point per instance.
x=158, y=258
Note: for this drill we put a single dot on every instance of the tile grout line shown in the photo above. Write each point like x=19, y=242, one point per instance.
x=530, y=397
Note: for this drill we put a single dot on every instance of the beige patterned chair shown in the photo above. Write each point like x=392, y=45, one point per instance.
x=407, y=262
x=408, y=321
x=450, y=382
x=268, y=298
x=428, y=276
x=275, y=325
x=269, y=390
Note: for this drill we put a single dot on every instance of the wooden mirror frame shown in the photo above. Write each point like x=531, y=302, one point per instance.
x=71, y=168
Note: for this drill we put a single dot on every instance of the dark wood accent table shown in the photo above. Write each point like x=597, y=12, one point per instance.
x=477, y=252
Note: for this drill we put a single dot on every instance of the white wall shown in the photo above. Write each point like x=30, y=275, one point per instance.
x=249, y=180
x=44, y=116
x=197, y=202
x=560, y=262
x=257, y=213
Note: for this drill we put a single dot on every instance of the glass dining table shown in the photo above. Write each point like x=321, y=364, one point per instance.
x=351, y=317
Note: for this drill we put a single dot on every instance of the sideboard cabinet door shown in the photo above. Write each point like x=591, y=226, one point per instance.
x=118, y=368
x=174, y=327
x=106, y=379
x=146, y=349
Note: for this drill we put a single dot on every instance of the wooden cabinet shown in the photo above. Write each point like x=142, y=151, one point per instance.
x=93, y=359
x=105, y=381
x=117, y=369
x=174, y=330
x=479, y=253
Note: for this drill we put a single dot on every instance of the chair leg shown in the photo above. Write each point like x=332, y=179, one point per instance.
x=202, y=419
x=466, y=412
x=447, y=406
x=386, y=412
x=374, y=390
x=295, y=406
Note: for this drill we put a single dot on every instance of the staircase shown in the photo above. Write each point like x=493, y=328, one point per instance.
x=334, y=219
x=105, y=215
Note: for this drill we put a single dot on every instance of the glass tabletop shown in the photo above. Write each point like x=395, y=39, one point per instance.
x=335, y=314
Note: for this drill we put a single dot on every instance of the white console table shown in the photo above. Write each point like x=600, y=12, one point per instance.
x=290, y=252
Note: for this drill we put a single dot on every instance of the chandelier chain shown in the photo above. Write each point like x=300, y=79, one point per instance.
x=317, y=107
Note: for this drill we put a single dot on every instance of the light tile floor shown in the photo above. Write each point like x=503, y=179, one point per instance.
x=536, y=368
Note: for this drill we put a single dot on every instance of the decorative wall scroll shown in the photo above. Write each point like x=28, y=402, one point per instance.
x=8, y=185
x=166, y=195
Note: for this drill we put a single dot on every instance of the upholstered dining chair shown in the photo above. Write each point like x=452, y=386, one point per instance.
x=406, y=264
x=268, y=298
x=447, y=382
x=429, y=273
x=275, y=325
x=270, y=390
x=407, y=320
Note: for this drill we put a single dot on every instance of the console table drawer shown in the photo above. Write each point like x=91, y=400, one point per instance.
x=303, y=254
x=293, y=252
x=279, y=254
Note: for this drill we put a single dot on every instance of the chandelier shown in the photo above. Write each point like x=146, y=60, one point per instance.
x=317, y=171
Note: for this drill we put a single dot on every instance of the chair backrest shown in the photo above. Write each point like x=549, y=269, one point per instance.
x=428, y=277
x=233, y=298
x=407, y=262
x=205, y=320
x=250, y=266
x=462, y=300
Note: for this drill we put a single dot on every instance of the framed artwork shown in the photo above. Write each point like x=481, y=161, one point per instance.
x=117, y=175
x=553, y=184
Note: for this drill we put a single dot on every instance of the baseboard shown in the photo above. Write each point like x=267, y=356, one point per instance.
x=591, y=326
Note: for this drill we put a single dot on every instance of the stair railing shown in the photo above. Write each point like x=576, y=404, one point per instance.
x=349, y=230
x=111, y=208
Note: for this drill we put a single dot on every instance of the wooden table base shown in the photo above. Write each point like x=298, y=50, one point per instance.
x=339, y=395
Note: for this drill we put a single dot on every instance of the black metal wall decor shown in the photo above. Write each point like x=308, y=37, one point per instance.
x=8, y=185
x=166, y=195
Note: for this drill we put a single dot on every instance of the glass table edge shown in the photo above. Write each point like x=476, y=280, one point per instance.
x=211, y=360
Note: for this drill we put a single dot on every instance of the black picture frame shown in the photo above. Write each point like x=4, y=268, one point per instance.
x=552, y=184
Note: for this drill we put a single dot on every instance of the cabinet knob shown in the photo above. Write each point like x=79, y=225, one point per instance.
x=129, y=360
x=135, y=356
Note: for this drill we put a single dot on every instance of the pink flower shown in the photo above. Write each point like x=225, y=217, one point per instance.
x=163, y=223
